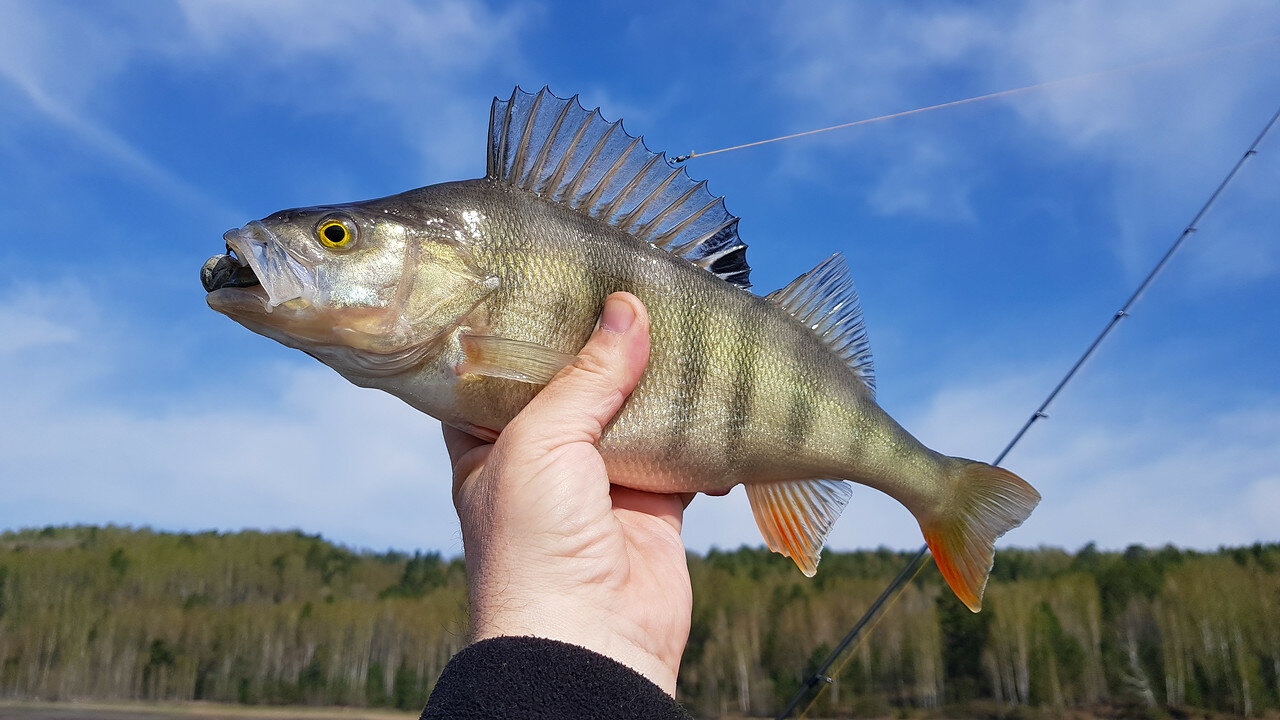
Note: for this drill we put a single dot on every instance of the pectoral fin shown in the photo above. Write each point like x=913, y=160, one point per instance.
x=795, y=516
x=511, y=359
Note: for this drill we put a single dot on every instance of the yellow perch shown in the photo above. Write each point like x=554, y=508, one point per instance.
x=463, y=299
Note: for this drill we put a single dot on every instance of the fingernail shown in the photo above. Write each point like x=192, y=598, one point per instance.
x=617, y=316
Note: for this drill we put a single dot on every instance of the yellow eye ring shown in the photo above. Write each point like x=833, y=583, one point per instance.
x=336, y=233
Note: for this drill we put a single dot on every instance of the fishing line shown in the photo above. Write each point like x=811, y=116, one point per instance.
x=989, y=96
x=820, y=679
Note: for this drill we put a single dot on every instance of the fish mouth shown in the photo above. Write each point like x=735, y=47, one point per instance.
x=256, y=274
x=224, y=271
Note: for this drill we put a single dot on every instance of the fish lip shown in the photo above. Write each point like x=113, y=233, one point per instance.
x=257, y=265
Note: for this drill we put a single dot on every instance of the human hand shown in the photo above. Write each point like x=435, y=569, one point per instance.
x=552, y=549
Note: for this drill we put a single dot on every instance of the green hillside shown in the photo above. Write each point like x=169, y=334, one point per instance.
x=287, y=618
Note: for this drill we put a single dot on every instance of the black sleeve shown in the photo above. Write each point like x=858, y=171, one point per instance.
x=525, y=677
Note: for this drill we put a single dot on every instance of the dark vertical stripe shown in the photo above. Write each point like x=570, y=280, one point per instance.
x=745, y=342
x=693, y=364
x=801, y=414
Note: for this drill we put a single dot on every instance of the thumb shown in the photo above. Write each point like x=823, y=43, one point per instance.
x=578, y=403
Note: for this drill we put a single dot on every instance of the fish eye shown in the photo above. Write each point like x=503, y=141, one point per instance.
x=336, y=232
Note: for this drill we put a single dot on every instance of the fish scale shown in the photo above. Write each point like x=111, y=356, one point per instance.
x=464, y=299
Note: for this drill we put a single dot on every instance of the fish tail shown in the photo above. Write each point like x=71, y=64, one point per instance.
x=988, y=502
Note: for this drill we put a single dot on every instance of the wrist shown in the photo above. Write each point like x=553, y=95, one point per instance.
x=596, y=629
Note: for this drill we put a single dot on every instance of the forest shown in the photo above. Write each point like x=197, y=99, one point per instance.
x=111, y=613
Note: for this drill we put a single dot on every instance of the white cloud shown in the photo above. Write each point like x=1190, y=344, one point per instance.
x=1183, y=54
x=1118, y=468
x=1236, y=245
x=1159, y=132
x=909, y=187
x=59, y=49
x=292, y=447
x=1112, y=468
x=60, y=60
x=23, y=331
x=1161, y=135
x=450, y=35
x=839, y=63
x=404, y=64
x=860, y=60
x=404, y=61
x=847, y=61
x=1166, y=127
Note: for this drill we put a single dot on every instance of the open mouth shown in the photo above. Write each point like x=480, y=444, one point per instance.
x=256, y=270
x=224, y=271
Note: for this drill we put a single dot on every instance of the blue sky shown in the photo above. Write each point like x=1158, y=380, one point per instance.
x=990, y=242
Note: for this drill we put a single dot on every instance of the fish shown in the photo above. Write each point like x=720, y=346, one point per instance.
x=465, y=298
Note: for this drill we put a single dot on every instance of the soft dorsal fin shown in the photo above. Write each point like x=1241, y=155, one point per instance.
x=559, y=150
x=825, y=301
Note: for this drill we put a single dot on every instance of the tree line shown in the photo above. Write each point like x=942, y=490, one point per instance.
x=288, y=618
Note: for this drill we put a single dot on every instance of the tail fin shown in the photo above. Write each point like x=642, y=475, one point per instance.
x=988, y=502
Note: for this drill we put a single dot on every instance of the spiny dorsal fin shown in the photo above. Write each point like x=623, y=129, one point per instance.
x=559, y=150
x=825, y=301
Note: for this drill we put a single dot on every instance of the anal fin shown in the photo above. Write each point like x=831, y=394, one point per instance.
x=795, y=516
x=501, y=357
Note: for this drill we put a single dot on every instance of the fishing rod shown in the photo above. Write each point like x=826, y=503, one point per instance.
x=812, y=688
x=819, y=679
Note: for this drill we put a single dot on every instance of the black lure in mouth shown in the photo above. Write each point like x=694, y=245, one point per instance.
x=223, y=271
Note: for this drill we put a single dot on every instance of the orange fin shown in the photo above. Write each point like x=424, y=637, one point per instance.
x=795, y=516
x=511, y=359
x=989, y=502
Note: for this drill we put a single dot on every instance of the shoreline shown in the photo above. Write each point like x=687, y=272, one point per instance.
x=158, y=710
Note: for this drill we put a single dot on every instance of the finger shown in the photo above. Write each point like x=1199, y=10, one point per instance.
x=467, y=454
x=585, y=396
x=467, y=469
x=459, y=442
x=669, y=508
